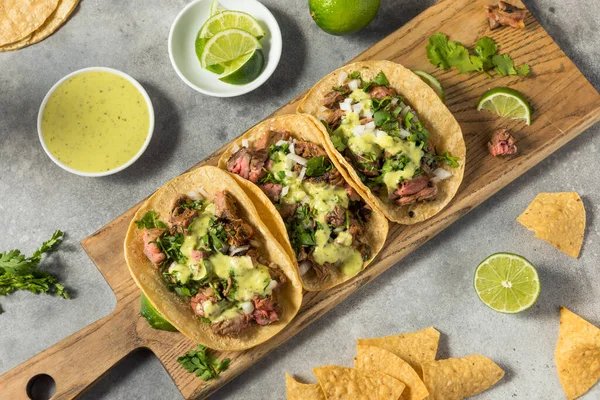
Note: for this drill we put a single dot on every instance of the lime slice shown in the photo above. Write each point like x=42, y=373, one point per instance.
x=506, y=102
x=153, y=317
x=507, y=283
x=433, y=82
x=227, y=46
x=216, y=8
x=241, y=72
x=230, y=19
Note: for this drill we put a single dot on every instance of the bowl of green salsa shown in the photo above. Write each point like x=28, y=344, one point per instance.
x=95, y=122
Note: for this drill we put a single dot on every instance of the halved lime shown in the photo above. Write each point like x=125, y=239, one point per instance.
x=153, y=317
x=227, y=46
x=433, y=82
x=506, y=102
x=507, y=283
x=216, y=8
x=231, y=19
x=244, y=71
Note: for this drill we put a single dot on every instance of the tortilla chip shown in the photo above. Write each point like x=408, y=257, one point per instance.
x=457, y=378
x=374, y=358
x=56, y=19
x=577, y=354
x=21, y=17
x=302, y=391
x=558, y=218
x=446, y=134
x=178, y=311
x=415, y=348
x=346, y=383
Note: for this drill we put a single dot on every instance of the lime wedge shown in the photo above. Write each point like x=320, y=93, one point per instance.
x=433, y=82
x=230, y=19
x=242, y=71
x=153, y=317
x=227, y=46
x=506, y=102
x=507, y=283
x=216, y=8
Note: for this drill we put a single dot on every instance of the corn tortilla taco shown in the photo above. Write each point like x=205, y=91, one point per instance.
x=200, y=253
x=317, y=214
x=394, y=136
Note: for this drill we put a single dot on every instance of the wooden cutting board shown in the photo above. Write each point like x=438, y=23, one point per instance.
x=565, y=103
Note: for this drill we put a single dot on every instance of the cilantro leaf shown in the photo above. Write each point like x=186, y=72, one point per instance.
x=318, y=166
x=437, y=50
x=149, y=221
x=504, y=65
x=201, y=363
x=524, y=70
x=485, y=49
x=381, y=79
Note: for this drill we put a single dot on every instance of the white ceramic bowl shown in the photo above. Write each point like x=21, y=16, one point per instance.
x=114, y=170
x=182, y=51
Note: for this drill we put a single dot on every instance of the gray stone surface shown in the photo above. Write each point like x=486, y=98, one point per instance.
x=433, y=286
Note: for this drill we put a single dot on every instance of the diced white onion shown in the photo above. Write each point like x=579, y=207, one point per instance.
x=193, y=195
x=370, y=126
x=305, y=200
x=347, y=100
x=292, y=148
x=247, y=307
x=288, y=163
x=357, y=108
x=272, y=285
x=199, y=308
x=358, y=130
x=289, y=173
x=235, y=148
x=281, y=142
x=394, y=101
x=402, y=105
x=342, y=78
x=296, y=158
x=403, y=133
x=345, y=106
x=379, y=133
x=202, y=192
x=441, y=174
x=285, y=191
x=244, y=142
x=404, y=111
x=367, y=113
x=304, y=267
x=353, y=84
x=302, y=173
x=233, y=250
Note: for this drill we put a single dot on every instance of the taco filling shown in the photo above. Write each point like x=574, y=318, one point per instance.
x=381, y=136
x=207, y=255
x=325, y=218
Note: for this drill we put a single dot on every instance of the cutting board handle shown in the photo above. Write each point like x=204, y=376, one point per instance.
x=78, y=361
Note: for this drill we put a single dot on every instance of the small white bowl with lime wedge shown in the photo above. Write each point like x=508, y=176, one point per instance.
x=182, y=46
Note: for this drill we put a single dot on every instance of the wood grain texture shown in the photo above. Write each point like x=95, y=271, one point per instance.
x=565, y=103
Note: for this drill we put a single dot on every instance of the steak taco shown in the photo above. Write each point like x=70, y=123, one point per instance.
x=393, y=135
x=200, y=253
x=317, y=214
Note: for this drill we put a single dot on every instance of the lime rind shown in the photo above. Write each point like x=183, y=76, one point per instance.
x=154, y=318
x=227, y=46
x=229, y=19
x=247, y=71
x=507, y=283
x=432, y=82
x=216, y=8
x=506, y=102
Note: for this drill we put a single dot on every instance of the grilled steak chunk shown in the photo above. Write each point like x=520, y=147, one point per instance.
x=239, y=232
x=505, y=14
x=333, y=99
x=181, y=216
x=337, y=217
x=266, y=310
x=225, y=205
x=151, y=250
x=309, y=150
x=380, y=92
x=502, y=143
x=272, y=190
x=232, y=327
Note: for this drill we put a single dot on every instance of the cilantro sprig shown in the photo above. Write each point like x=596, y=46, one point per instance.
x=201, y=363
x=18, y=272
x=149, y=221
x=445, y=53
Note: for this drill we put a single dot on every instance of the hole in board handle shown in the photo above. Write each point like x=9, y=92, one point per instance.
x=41, y=387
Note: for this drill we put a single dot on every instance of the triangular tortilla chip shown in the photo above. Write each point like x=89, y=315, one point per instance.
x=457, y=378
x=374, y=358
x=558, y=218
x=347, y=383
x=577, y=354
x=302, y=391
x=415, y=348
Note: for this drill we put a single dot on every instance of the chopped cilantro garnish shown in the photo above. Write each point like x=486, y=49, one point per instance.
x=318, y=166
x=449, y=160
x=202, y=363
x=277, y=177
x=150, y=220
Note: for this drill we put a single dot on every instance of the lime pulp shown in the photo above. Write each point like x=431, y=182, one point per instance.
x=230, y=19
x=226, y=46
x=506, y=102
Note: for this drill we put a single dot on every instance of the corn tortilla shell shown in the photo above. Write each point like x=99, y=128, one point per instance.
x=341, y=383
x=415, y=348
x=307, y=128
x=302, y=391
x=177, y=311
x=55, y=21
x=377, y=359
x=559, y=219
x=446, y=134
x=577, y=354
x=457, y=378
x=21, y=17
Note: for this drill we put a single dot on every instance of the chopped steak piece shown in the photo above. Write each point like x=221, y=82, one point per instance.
x=287, y=210
x=248, y=164
x=266, y=310
x=225, y=205
x=429, y=193
x=380, y=92
x=505, y=14
x=337, y=217
x=232, y=327
x=270, y=138
x=239, y=232
x=334, y=118
x=272, y=190
x=502, y=143
x=333, y=99
x=206, y=294
x=151, y=250
x=332, y=177
x=410, y=187
x=308, y=150
x=181, y=216
x=352, y=195
x=256, y=165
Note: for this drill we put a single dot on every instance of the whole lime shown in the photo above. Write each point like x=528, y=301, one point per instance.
x=340, y=17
